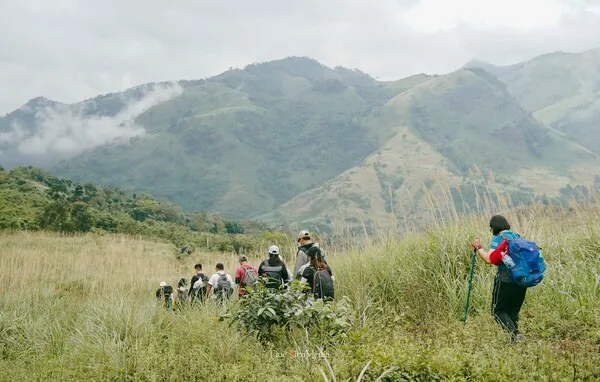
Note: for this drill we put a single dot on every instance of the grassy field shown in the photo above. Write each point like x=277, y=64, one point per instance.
x=82, y=308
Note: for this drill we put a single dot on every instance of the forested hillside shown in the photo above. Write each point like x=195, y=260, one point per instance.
x=294, y=141
x=33, y=199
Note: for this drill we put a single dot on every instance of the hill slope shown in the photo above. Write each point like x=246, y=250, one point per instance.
x=245, y=141
x=276, y=134
x=561, y=89
x=444, y=127
x=32, y=199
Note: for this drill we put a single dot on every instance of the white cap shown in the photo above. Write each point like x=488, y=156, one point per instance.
x=273, y=250
x=163, y=283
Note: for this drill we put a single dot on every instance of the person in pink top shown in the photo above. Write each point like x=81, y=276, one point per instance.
x=245, y=276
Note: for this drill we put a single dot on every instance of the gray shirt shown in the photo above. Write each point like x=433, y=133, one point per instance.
x=301, y=259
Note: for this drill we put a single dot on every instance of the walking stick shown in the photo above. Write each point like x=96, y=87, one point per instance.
x=469, y=289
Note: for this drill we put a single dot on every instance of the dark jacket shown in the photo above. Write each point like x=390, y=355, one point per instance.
x=275, y=269
x=202, y=291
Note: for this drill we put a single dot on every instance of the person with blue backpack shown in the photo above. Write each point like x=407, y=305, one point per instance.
x=520, y=266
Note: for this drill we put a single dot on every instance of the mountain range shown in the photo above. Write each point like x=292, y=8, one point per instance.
x=294, y=141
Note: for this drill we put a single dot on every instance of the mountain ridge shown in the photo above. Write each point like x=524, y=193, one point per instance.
x=412, y=158
x=266, y=139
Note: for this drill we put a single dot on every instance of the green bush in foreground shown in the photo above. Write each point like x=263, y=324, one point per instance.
x=263, y=312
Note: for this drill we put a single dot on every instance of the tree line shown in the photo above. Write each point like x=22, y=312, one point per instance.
x=34, y=199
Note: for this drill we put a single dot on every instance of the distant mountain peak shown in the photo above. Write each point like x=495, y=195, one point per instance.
x=475, y=63
x=288, y=60
x=41, y=102
x=293, y=65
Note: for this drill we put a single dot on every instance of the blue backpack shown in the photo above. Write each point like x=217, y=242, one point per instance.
x=529, y=267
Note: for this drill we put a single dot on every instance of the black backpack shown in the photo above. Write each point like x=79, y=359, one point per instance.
x=323, y=285
x=167, y=292
x=273, y=273
x=198, y=293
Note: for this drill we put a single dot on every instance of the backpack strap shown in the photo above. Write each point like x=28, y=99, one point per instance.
x=243, y=280
x=315, y=275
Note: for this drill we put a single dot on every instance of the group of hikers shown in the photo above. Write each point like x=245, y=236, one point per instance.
x=520, y=265
x=310, y=268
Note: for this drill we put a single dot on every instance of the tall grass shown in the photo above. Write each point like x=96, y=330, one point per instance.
x=83, y=308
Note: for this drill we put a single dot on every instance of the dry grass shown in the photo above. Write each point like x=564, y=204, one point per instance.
x=83, y=307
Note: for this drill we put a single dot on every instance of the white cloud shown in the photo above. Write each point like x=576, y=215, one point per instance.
x=71, y=50
x=62, y=130
x=430, y=16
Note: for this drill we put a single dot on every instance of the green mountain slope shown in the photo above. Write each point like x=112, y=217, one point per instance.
x=312, y=142
x=33, y=199
x=444, y=127
x=245, y=141
x=562, y=90
x=240, y=143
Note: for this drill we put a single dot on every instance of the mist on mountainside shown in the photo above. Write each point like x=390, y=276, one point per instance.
x=45, y=130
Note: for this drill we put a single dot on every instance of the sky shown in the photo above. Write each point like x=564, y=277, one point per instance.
x=70, y=50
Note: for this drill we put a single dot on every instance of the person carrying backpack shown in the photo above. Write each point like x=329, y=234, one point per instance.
x=198, y=284
x=318, y=276
x=245, y=276
x=220, y=284
x=165, y=293
x=304, y=242
x=520, y=266
x=180, y=295
x=274, y=269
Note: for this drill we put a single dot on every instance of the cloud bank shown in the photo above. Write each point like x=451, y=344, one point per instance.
x=71, y=50
x=63, y=130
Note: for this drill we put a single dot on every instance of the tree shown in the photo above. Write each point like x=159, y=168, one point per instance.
x=199, y=221
x=78, y=194
x=81, y=218
x=216, y=225
x=234, y=227
x=56, y=217
x=144, y=209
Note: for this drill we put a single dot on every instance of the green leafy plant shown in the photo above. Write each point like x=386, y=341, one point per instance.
x=265, y=312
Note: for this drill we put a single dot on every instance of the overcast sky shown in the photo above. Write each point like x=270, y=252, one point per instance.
x=69, y=50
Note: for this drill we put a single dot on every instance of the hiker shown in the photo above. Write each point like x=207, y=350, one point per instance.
x=302, y=260
x=180, y=294
x=304, y=244
x=507, y=296
x=220, y=284
x=164, y=293
x=318, y=275
x=274, y=269
x=198, y=284
x=245, y=276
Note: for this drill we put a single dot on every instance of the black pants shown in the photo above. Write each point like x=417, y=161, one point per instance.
x=507, y=299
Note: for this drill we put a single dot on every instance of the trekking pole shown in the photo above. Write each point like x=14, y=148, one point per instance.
x=469, y=288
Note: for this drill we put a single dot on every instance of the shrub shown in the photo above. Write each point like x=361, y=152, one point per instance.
x=263, y=312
